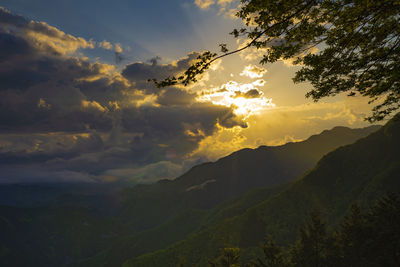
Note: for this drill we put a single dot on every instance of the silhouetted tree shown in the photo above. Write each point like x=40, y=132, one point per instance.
x=182, y=262
x=382, y=242
x=229, y=258
x=350, y=239
x=311, y=249
x=348, y=46
x=273, y=255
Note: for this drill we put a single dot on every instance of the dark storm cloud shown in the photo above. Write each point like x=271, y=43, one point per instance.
x=62, y=114
x=168, y=121
x=108, y=90
x=34, y=174
x=49, y=107
x=6, y=18
x=141, y=72
x=252, y=93
x=174, y=127
x=118, y=57
x=175, y=97
x=11, y=46
x=39, y=88
x=55, y=149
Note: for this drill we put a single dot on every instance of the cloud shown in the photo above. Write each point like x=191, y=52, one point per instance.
x=169, y=122
x=13, y=46
x=118, y=48
x=279, y=125
x=175, y=96
x=253, y=71
x=28, y=174
x=244, y=98
x=140, y=72
x=118, y=53
x=47, y=37
x=41, y=36
x=64, y=118
x=9, y=19
x=42, y=104
x=222, y=4
x=231, y=13
x=252, y=93
x=146, y=174
x=27, y=149
x=106, y=45
x=290, y=62
x=200, y=186
x=254, y=53
x=204, y=4
x=45, y=90
x=61, y=114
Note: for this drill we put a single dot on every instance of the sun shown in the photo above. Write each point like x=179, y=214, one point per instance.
x=245, y=99
x=248, y=106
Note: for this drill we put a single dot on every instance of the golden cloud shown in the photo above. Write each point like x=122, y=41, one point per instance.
x=92, y=105
x=253, y=71
x=244, y=98
x=45, y=36
x=106, y=45
x=204, y=4
x=277, y=126
x=118, y=48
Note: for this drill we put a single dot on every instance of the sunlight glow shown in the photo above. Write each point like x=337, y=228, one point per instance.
x=245, y=99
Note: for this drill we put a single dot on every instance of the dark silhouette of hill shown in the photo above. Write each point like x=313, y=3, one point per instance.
x=151, y=217
x=206, y=185
x=358, y=173
x=170, y=209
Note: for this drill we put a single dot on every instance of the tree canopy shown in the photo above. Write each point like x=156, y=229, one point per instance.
x=368, y=238
x=350, y=46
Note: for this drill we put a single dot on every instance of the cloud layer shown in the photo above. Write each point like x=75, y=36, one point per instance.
x=66, y=118
x=61, y=114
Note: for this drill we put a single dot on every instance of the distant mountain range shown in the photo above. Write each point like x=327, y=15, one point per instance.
x=174, y=208
x=208, y=184
x=239, y=198
x=358, y=173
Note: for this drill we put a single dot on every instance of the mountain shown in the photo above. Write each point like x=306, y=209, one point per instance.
x=96, y=196
x=70, y=226
x=206, y=185
x=52, y=236
x=358, y=173
x=170, y=210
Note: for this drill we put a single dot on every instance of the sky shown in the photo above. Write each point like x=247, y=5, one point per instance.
x=76, y=106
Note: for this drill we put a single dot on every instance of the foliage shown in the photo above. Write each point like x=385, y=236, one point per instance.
x=229, y=258
x=358, y=173
x=348, y=46
x=273, y=255
x=363, y=239
x=350, y=237
x=151, y=217
x=311, y=248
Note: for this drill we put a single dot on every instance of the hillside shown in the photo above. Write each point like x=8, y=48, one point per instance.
x=177, y=207
x=206, y=185
x=64, y=228
x=357, y=173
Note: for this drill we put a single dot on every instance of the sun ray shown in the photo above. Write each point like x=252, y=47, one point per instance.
x=245, y=99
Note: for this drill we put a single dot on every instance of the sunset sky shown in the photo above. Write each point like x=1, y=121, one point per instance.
x=75, y=104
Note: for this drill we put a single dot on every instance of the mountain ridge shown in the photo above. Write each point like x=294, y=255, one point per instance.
x=360, y=172
x=114, y=256
x=164, y=212
x=242, y=171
